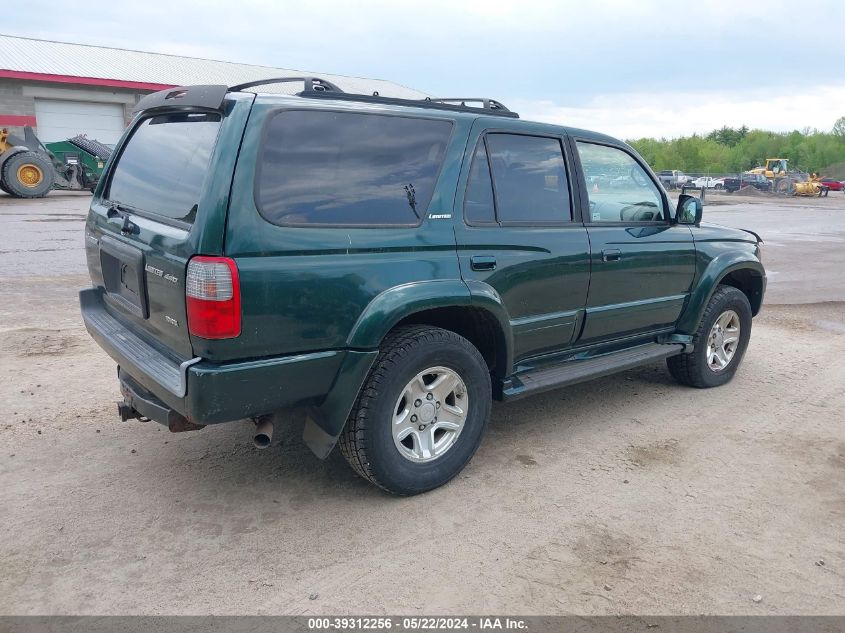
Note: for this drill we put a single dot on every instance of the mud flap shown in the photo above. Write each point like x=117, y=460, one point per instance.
x=324, y=423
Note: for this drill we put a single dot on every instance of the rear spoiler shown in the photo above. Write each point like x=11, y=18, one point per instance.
x=211, y=97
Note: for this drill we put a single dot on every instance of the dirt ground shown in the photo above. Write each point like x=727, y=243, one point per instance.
x=630, y=494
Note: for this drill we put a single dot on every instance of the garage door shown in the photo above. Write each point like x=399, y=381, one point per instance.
x=60, y=120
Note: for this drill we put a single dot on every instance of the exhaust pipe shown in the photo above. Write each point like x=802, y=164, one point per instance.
x=263, y=432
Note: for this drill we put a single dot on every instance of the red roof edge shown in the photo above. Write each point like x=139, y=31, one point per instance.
x=17, y=120
x=84, y=81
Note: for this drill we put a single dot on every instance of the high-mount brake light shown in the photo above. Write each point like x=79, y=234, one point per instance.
x=213, y=295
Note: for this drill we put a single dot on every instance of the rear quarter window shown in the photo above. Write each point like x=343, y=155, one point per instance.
x=162, y=168
x=348, y=169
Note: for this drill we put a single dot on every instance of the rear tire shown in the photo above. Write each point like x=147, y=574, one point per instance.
x=715, y=359
x=27, y=175
x=785, y=186
x=397, y=437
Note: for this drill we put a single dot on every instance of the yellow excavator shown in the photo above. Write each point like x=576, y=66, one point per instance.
x=790, y=183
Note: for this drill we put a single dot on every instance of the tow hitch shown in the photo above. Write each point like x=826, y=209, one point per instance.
x=127, y=412
x=140, y=404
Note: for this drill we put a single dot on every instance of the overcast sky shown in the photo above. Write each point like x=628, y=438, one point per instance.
x=628, y=68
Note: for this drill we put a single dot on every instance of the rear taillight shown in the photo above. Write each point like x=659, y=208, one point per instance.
x=214, y=297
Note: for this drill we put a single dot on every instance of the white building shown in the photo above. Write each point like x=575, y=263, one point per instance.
x=66, y=89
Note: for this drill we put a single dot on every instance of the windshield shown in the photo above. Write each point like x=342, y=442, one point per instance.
x=162, y=168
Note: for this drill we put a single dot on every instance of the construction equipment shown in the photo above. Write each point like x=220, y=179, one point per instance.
x=810, y=187
x=28, y=169
x=789, y=182
x=775, y=168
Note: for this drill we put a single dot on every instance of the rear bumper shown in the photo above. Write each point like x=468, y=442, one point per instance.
x=205, y=392
x=132, y=352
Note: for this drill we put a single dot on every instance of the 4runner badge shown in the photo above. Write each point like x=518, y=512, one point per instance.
x=171, y=321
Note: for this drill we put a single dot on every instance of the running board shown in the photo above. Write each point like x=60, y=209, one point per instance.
x=575, y=371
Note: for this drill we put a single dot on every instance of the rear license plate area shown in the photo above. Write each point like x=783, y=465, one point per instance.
x=123, y=275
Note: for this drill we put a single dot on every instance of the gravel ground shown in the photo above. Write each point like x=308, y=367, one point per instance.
x=630, y=494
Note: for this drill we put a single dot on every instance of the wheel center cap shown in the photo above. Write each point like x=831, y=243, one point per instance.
x=426, y=412
x=720, y=338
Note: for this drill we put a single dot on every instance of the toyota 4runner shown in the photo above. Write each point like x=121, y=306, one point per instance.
x=391, y=267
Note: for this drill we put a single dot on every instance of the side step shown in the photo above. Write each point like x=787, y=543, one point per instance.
x=575, y=371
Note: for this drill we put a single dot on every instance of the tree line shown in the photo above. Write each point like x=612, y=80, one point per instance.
x=729, y=150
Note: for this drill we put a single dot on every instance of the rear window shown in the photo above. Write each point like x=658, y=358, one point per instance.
x=163, y=166
x=348, y=169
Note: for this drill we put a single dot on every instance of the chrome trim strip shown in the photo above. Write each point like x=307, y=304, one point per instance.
x=183, y=376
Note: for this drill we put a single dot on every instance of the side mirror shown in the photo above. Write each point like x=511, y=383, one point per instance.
x=689, y=210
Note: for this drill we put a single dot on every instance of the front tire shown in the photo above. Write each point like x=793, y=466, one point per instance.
x=27, y=175
x=719, y=343
x=421, y=413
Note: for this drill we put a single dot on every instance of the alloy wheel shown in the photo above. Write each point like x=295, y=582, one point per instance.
x=430, y=414
x=723, y=341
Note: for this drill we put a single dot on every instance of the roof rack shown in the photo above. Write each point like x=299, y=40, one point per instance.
x=486, y=104
x=312, y=84
x=489, y=106
x=318, y=87
x=211, y=97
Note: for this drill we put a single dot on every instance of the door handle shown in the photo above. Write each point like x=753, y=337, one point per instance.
x=482, y=262
x=611, y=255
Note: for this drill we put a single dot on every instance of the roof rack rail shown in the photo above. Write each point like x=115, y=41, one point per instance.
x=211, y=97
x=312, y=84
x=486, y=103
x=492, y=106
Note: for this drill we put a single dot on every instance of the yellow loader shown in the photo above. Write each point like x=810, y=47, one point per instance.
x=790, y=183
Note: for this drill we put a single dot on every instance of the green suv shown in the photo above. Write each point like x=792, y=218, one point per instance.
x=391, y=267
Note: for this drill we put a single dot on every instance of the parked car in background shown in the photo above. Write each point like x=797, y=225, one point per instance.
x=673, y=178
x=833, y=185
x=708, y=182
x=758, y=181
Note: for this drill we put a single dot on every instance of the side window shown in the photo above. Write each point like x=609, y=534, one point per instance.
x=479, y=207
x=618, y=188
x=530, y=179
x=348, y=169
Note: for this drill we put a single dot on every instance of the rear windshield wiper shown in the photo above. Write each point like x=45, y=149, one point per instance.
x=116, y=210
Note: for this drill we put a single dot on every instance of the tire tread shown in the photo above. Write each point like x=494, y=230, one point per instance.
x=687, y=369
x=397, y=346
x=10, y=184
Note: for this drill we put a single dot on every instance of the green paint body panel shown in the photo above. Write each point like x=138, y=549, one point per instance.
x=233, y=391
x=721, y=251
x=318, y=301
x=646, y=288
x=61, y=148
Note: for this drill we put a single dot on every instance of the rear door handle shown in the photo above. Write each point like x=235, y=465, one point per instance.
x=482, y=262
x=611, y=255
